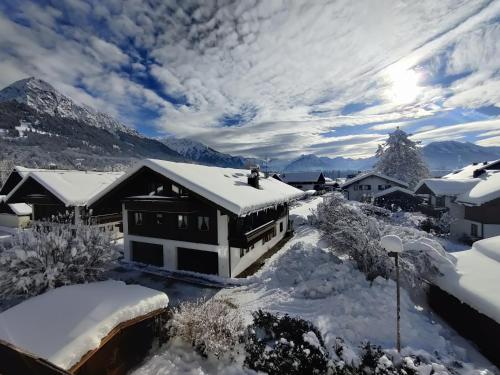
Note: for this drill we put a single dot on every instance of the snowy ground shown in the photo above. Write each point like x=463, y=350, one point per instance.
x=306, y=280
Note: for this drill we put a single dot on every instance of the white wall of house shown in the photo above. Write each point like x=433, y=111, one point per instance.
x=462, y=228
x=14, y=221
x=373, y=181
x=239, y=264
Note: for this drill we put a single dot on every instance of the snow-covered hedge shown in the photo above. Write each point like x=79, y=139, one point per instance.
x=51, y=255
x=355, y=230
x=212, y=327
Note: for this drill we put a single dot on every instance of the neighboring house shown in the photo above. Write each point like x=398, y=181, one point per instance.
x=198, y=218
x=481, y=210
x=474, y=170
x=14, y=215
x=65, y=193
x=365, y=185
x=397, y=197
x=439, y=195
x=304, y=180
x=15, y=177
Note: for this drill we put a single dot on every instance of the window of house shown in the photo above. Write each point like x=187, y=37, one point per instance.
x=388, y=186
x=182, y=221
x=367, y=187
x=440, y=201
x=138, y=218
x=281, y=227
x=473, y=230
x=176, y=189
x=203, y=223
x=242, y=252
x=381, y=187
x=159, y=218
x=110, y=228
x=356, y=187
x=102, y=229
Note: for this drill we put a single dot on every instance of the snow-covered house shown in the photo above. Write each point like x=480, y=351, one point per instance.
x=15, y=177
x=304, y=180
x=14, y=215
x=65, y=192
x=198, y=218
x=440, y=195
x=467, y=296
x=474, y=170
x=397, y=197
x=481, y=210
x=365, y=185
x=103, y=327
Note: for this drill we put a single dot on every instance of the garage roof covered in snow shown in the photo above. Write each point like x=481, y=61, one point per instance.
x=301, y=176
x=65, y=323
x=226, y=187
x=21, y=209
x=392, y=190
x=362, y=176
x=71, y=187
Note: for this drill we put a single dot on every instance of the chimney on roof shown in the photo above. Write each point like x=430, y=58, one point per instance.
x=253, y=177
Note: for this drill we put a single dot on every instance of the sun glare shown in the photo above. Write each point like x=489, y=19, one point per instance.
x=404, y=86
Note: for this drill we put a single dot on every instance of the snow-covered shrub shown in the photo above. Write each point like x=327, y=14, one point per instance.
x=52, y=254
x=285, y=345
x=355, y=230
x=212, y=327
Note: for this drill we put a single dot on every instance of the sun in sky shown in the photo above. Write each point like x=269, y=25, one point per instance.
x=403, y=85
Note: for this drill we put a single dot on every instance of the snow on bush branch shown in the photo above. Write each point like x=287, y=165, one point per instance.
x=355, y=230
x=53, y=254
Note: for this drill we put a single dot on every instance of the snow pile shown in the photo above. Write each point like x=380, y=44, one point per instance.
x=486, y=190
x=226, y=187
x=69, y=321
x=477, y=278
x=304, y=211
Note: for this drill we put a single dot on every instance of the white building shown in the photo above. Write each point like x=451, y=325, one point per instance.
x=190, y=217
x=366, y=185
x=14, y=215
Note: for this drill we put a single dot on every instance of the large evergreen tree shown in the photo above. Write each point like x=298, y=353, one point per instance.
x=401, y=158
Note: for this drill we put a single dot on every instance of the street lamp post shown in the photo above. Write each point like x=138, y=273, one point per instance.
x=394, y=246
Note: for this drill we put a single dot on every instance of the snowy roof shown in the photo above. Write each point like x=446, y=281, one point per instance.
x=73, y=188
x=441, y=186
x=476, y=279
x=65, y=323
x=300, y=176
x=392, y=190
x=226, y=187
x=362, y=176
x=486, y=190
x=21, y=209
x=468, y=171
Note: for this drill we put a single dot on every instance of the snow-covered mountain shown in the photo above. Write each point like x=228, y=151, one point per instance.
x=201, y=153
x=452, y=154
x=323, y=163
x=42, y=97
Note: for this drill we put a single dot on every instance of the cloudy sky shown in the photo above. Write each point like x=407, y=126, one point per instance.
x=269, y=78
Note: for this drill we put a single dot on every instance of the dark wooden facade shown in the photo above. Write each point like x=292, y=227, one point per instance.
x=488, y=213
x=399, y=199
x=45, y=204
x=12, y=181
x=470, y=323
x=160, y=218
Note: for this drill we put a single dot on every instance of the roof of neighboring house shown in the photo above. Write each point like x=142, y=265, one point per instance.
x=73, y=188
x=392, y=190
x=476, y=278
x=487, y=189
x=21, y=209
x=362, y=176
x=441, y=186
x=226, y=187
x=301, y=176
x=72, y=320
x=468, y=170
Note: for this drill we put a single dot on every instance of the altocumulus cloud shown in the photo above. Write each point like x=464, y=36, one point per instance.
x=269, y=78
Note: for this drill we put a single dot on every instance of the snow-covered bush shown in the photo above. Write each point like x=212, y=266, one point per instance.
x=355, y=230
x=285, y=345
x=51, y=255
x=212, y=327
